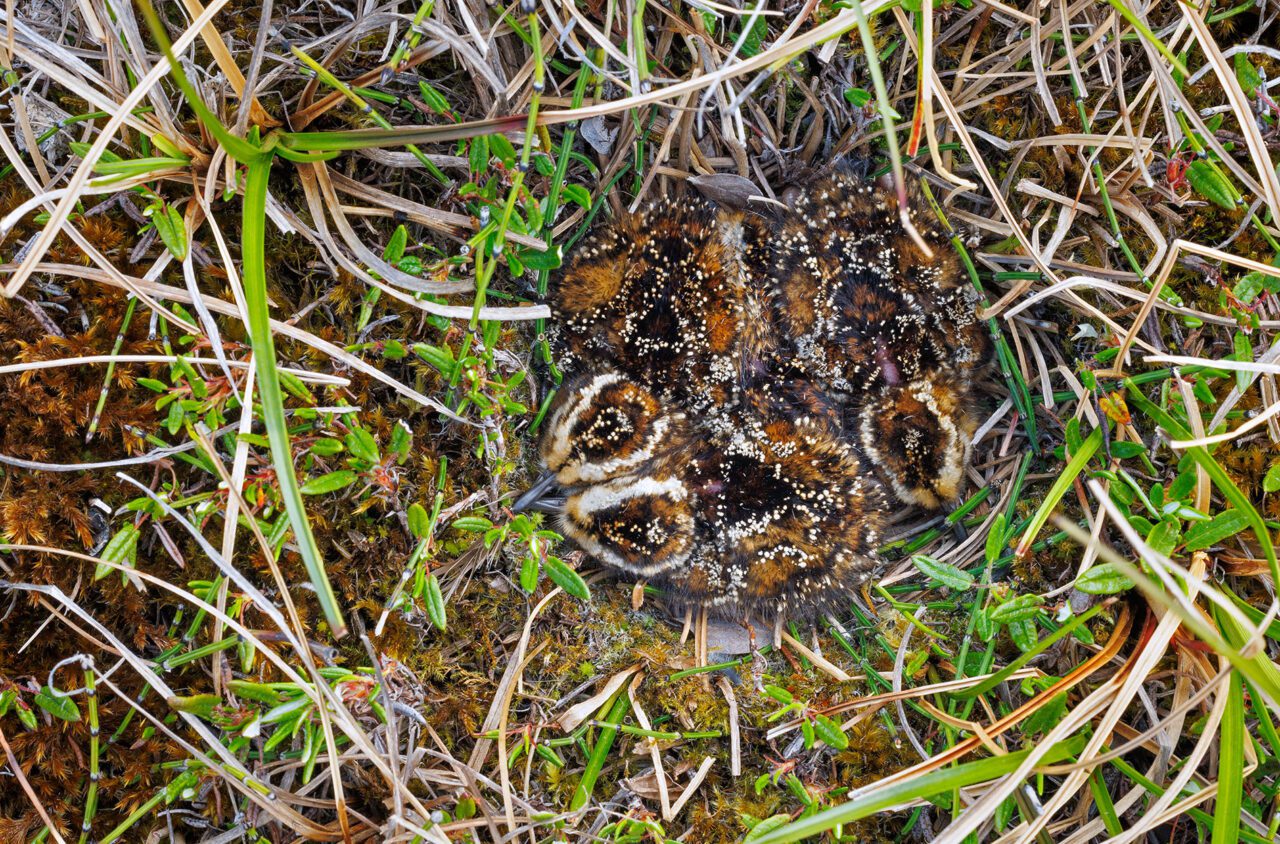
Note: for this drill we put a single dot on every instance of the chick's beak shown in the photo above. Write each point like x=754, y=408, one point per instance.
x=545, y=496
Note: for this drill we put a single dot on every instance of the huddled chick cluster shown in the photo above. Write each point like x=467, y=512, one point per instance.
x=747, y=393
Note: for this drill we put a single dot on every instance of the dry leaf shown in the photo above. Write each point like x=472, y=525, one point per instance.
x=727, y=189
x=575, y=715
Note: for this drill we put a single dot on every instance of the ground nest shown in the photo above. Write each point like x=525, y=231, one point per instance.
x=274, y=358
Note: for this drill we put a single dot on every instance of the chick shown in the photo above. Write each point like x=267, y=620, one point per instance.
x=616, y=451
x=672, y=297
x=787, y=520
x=762, y=509
x=890, y=332
x=746, y=391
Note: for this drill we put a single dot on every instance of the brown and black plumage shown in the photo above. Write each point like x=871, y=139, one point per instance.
x=858, y=301
x=745, y=391
x=787, y=520
x=618, y=453
x=762, y=511
x=669, y=296
x=891, y=331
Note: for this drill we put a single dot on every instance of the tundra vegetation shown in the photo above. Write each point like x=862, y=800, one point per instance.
x=272, y=356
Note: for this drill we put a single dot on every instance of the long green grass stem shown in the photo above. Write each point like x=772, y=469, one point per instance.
x=257, y=160
x=253, y=255
x=600, y=752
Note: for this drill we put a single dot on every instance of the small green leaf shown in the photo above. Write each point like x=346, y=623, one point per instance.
x=168, y=147
x=766, y=826
x=806, y=730
x=502, y=148
x=57, y=704
x=121, y=548
x=1103, y=579
x=362, y=444
x=441, y=359
x=529, y=571
x=261, y=692
x=779, y=694
x=830, y=732
x=419, y=521
x=1249, y=286
x=1182, y=486
x=1164, y=537
x=433, y=98
x=1125, y=450
x=201, y=706
x=478, y=155
x=1072, y=436
x=410, y=264
x=577, y=194
x=549, y=755
x=549, y=259
x=1211, y=183
x=401, y=439
x=168, y=223
x=984, y=626
x=1047, y=716
x=293, y=385
x=173, y=421
x=1244, y=354
x=472, y=524
x=995, y=539
x=1226, y=524
x=567, y=579
x=326, y=446
x=1016, y=609
x=1247, y=74
x=759, y=31
x=1271, y=481
x=435, y=602
x=396, y=245
x=857, y=97
x=1023, y=633
x=331, y=482
x=944, y=573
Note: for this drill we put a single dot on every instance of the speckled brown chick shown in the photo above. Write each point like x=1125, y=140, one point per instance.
x=670, y=296
x=761, y=509
x=858, y=300
x=888, y=331
x=787, y=520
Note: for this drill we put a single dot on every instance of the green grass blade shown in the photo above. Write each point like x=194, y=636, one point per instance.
x=599, y=753
x=1258, y=668
x=238, y=148
x=1074, y=467
x=1195, y=814
x=1226, y=814
x=1102, y=800
x=1004, y=673
x=269, y=392
x=874, y=798
x=400, y=136
x=1125, y=12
